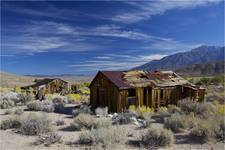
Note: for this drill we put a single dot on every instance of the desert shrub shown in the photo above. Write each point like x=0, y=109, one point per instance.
x=8, y=100
x=220, y=109
x=205, y=131
x=45, y=106
x=4, y=104
x=104, y=137
x=201, y=109
x=141, y=111
x=123, y=118
x=144, y=112
x=8, y=112
x=212, y=80
x=19, y=111
x=132, y=108
x=157, y=137
x=220, y=132
x=35, y=125
x=59, y=103
x=17, y=89
x=176, y=122
x=101, y=111
x=26, y=97
x=85, y=121
x=49, y=139
x=85, y=90
x=82, y=109
x=173, y=109
x=86, y=84
x=60, y=122
x=163, y=112
x=10, y=123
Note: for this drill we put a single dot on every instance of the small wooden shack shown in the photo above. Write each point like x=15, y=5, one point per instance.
x=47, y=86
x=119, y=89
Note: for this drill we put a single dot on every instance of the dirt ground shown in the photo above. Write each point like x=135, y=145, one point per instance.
x=10, y=140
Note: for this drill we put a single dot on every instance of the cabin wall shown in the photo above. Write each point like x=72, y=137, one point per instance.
x=104, y=93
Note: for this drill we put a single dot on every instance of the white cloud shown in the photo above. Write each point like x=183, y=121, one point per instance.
x=171, y=45
x=116, y=62
x=145, y=10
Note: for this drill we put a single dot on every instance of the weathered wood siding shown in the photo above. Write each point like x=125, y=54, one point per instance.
x=105, y=93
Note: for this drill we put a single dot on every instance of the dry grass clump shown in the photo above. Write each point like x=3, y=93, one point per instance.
x=157, y=137
x=85, y=121
x=10, y=123
x=48, y=139
x=101, y=111
x=45, y=106
x=84, y=109
x=106, y=138
x=35, y=125
x=19, y=111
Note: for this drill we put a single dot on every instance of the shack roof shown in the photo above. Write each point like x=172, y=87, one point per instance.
x=131, y=79
x=43, y=82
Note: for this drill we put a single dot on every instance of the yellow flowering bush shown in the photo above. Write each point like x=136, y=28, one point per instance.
x=17, y=89
x=51, y=96
x=132, y=108
x=85, y=91
x=141, y=111
x=74, y=97
x=144, y=111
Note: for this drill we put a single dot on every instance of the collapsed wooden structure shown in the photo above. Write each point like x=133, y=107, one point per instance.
x=47, y=86
x=119, y=89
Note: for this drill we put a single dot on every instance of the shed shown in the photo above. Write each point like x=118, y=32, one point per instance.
x=48, y=86
x=119, y=89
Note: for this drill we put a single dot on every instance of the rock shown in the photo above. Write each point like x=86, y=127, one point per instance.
x=134, y=121
x=110, y=115
x=115, y=114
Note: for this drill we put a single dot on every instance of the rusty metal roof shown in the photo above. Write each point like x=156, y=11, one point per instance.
x=117, y=78
x=129, y=79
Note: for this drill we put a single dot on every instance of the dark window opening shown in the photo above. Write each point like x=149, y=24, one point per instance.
x=143, y=76
x=131, y=97
x=145, y=96
x=131, y=93
x=161, y=94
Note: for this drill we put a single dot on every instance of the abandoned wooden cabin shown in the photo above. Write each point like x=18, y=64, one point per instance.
x=118, y=90
x=48, y=86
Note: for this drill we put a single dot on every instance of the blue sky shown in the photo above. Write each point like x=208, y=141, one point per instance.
x=49, y=37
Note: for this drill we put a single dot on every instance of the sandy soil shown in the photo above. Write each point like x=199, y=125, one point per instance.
x=10, y=140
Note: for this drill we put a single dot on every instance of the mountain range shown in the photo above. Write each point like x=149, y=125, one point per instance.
x=194, y=58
